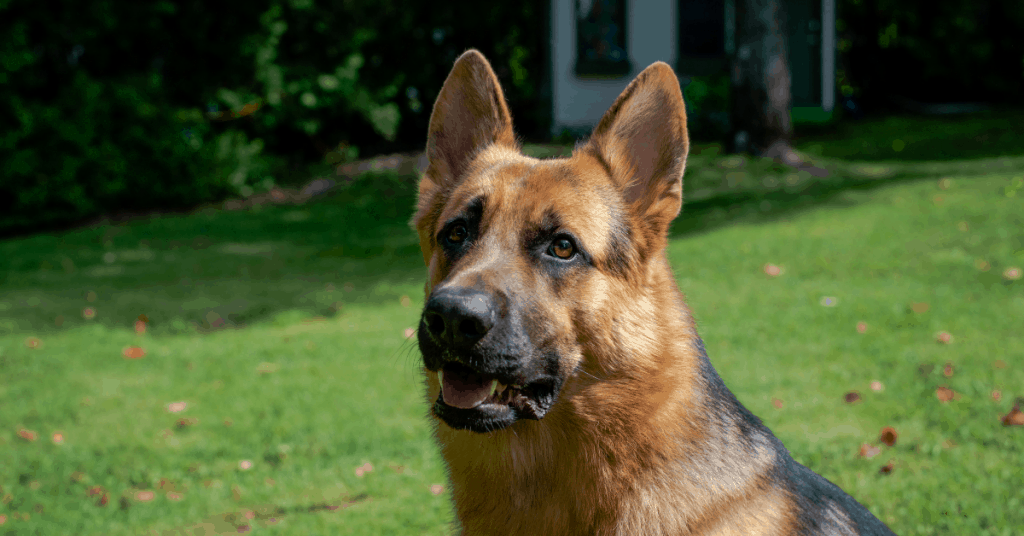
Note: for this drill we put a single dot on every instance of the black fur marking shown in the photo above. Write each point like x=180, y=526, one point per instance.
x=536, y=239
x=470, y=216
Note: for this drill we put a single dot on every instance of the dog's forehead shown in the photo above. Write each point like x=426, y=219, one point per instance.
x=518, y=191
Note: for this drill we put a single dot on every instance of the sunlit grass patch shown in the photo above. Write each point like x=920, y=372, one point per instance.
x=273, y=386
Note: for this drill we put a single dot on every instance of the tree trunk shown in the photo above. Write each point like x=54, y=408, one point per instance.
x=761, y=81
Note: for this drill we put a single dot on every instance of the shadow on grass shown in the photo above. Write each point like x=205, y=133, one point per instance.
x=709, y=213
x=216, y=269
x=908, y=138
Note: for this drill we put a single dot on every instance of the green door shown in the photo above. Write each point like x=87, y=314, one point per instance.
x=804, y=29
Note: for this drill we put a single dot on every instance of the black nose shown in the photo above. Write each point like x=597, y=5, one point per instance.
x=459, y=317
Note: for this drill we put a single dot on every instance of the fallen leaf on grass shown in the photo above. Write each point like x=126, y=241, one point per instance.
x=405, y=301
x=245, y=465
x=852, y=397
x=88, y=313
x=869, y=451
x=27, y=435
x=999, y=364
x=888, y=436
x=877, y=386
x=829, y=301
x=862, y=327
x=920, y=307
x=944, y=337
x=174, y=496
x=777, y=403
x=3, y=519
x=176, y=407
x=98, y=490
x=363, y=469
x=982, y=265
x=1014, y=418
x=397, y=468
x=887, y=468
x=772, y=270
x=133, y=352
x=1012, y=274
x=436, y=489
x=944, y=394
x=185, y=422
x=58, y=438
x=140, y=323
x=33, y=342
x=996, y=395
x=144, y=496
x=409, y=332
x=947, y=370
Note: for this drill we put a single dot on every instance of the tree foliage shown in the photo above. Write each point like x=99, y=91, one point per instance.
x=931, y=50
x=110, y=106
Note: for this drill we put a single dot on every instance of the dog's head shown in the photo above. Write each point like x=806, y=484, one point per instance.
x=538, y=269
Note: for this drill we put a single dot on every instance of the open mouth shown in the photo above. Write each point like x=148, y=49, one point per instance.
x=470, y=400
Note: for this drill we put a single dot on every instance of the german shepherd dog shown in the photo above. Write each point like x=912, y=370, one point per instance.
x=569, y=390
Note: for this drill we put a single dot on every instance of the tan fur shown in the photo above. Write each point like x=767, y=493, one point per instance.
x=624, y=450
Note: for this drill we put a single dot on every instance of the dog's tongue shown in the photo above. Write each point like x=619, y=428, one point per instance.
x=463, y=388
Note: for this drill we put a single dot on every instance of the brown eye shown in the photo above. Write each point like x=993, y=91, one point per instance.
x=457, y=234
x=562, y=248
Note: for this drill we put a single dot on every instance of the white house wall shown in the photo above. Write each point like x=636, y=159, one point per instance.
x=580, y=102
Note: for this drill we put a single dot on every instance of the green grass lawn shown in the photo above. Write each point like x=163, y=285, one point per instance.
x=277, y=366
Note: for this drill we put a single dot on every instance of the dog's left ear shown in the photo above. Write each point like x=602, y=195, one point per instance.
x=642, y=138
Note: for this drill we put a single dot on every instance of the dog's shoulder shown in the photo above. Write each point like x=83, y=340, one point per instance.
x=824, y=508
x=815, y=505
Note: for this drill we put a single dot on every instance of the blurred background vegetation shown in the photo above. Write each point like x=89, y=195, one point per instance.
x=135, y=106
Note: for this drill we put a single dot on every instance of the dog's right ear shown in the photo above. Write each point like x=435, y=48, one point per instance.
x=470, y=113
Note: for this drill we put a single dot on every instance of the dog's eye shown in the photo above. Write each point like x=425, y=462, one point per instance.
x=458, y=233
x=562, y=248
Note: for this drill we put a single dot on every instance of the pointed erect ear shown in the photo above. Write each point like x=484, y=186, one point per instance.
x=469, y=114
x=642, y=139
